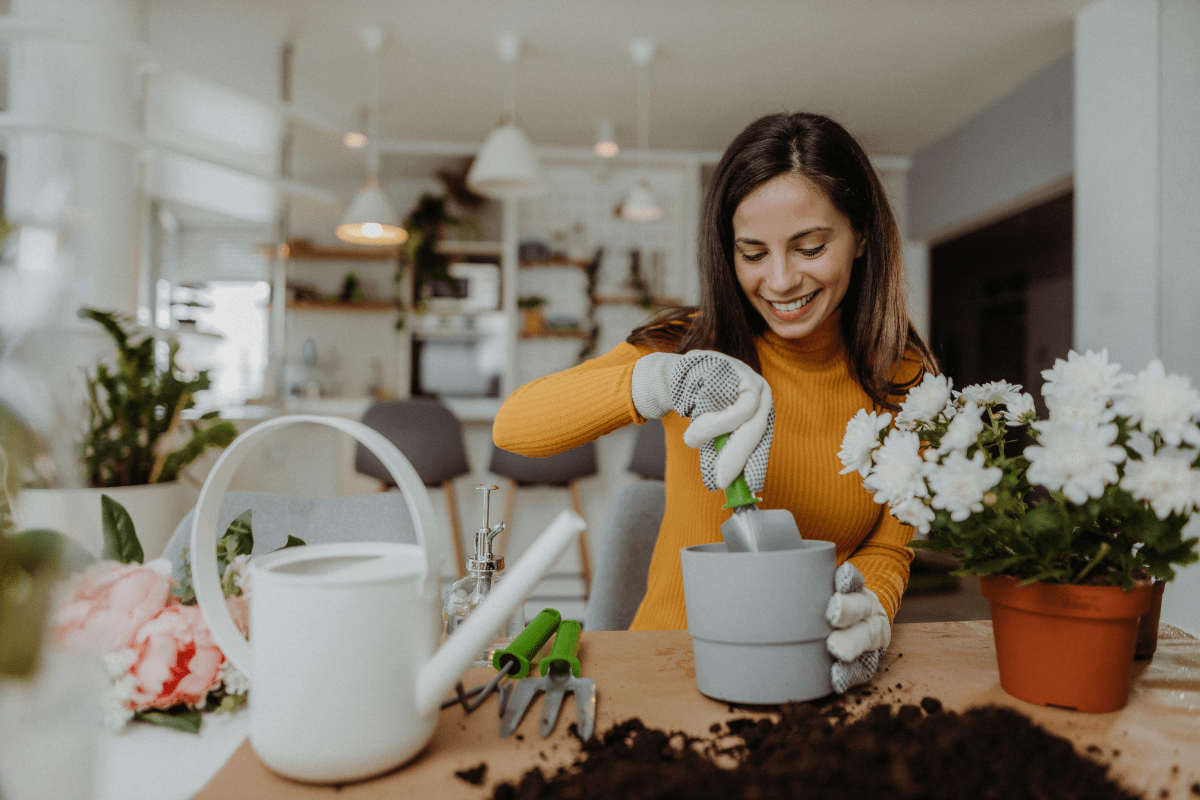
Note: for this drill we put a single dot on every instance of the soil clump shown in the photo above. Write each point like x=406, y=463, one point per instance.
x=825, y=752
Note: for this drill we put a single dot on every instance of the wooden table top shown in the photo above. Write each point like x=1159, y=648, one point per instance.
x=1153, y=744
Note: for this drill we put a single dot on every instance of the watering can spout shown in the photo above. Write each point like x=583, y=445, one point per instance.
x=459, y=651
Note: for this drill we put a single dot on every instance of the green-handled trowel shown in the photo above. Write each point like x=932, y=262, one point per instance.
x=752, y=529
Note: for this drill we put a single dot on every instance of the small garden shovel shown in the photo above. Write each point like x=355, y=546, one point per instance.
x=560, y=674
x=752, y=529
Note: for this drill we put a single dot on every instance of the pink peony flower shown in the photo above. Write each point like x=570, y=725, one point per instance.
x=108, y=603
x=177, y=660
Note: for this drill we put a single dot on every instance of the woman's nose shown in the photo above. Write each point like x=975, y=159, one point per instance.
x=779, y=274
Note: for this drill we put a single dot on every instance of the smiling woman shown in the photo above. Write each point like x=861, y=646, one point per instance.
x=802, y=323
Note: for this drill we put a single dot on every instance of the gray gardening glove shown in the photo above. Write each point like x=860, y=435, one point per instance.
x=861, y=629
x=720, y=395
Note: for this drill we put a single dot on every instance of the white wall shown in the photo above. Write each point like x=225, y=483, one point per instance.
x=1006, y=158
x=1137, y=200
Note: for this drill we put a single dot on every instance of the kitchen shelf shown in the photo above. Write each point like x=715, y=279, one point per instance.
x=634, y=300
x=306, y=250
x=581, y=263
x=338, y=305
x=469, y=247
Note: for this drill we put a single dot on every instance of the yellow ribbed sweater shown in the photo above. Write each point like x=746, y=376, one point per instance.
x=815, y=396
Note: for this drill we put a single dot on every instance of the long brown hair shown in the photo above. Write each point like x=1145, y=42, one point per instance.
x=875, y=324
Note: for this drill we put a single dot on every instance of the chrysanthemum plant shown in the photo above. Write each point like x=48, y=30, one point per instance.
x=1102, y=496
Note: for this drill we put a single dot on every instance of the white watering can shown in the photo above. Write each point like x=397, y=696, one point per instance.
x=345, y=680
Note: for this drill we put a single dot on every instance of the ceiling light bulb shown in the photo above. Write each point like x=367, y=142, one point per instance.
x=355, y=140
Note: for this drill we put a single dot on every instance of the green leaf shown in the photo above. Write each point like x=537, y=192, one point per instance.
x=230, y=702
x=180, y=718
x=293, y=541
x=120, y=539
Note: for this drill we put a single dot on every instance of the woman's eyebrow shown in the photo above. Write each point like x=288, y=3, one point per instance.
x=792, y=238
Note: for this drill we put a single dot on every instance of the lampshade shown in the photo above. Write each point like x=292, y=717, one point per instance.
x=606, y=139
x=640, y=205
x=506, y=166
x=371, y=219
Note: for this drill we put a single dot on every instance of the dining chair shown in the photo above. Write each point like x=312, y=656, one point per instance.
x=431, y=438
x=564, y=469
x=625, y=540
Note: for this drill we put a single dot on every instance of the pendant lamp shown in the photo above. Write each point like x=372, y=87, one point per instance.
x=639, y=204
x=371, y=218
x=506, y=166
x=606, y=139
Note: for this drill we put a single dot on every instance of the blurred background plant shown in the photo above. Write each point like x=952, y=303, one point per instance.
x=134, y=411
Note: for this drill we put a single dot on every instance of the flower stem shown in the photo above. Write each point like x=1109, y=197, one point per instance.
x=1104, y=548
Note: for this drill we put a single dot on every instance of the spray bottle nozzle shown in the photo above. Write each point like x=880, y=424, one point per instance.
x=484, y=558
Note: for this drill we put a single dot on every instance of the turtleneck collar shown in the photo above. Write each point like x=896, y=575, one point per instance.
x=823, y=343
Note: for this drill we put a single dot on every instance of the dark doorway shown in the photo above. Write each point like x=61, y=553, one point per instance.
x=1001, y=298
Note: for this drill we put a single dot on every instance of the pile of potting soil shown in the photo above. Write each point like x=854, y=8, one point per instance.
x=811, y=751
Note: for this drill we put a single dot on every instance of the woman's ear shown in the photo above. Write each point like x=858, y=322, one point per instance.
x=862, y=245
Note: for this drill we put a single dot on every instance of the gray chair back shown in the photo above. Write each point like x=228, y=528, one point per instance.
x=649, y=458
x=425, y=431
x=381, y=517
x=556, y=470
x=622, y=551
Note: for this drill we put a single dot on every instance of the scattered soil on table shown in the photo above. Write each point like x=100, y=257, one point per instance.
x=831, y=751
x=474, y=775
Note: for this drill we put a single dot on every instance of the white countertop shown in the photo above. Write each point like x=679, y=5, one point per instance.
x=467, y=409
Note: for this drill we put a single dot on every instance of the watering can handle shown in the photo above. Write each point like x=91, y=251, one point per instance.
x=205, y=579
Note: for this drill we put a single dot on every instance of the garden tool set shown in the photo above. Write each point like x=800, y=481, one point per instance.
x=560, y=674
x=559, y=671
x=752, y=529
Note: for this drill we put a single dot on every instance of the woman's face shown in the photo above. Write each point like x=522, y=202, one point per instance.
x=793, y=251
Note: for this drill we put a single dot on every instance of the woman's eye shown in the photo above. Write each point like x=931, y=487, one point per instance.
x=753, y=257
x=812, y=252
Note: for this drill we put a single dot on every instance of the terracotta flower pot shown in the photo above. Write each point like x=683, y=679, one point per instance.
x=1147, y=641
x=1065, y=645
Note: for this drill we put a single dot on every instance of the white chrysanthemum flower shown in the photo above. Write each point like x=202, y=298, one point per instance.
x=986, y=394
x=924, y=400
x=118, y=662
x=1162, y=403
x=235, y=681
x=861, y=439
x=913, y=511
x=898, y=470
x=1070, y=405
x=117, y=702
x=1079, y=459
x=1090, y=371
x=959, y=483
x=1165, y=481
x=963, y=431
x=240, y=567
x=1019, y=408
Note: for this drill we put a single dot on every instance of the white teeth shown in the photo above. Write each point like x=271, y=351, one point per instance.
x=794, y=305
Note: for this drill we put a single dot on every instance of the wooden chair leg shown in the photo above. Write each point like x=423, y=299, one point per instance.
x=455, y=533
x=585, y=561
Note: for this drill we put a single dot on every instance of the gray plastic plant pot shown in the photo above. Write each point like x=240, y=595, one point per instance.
x=757, y=621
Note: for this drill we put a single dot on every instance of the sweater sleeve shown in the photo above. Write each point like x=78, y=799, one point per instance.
x=883, y=558
x=568, y=408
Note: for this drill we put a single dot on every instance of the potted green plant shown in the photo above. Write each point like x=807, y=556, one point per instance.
x=1067, y=533
x=532, y=321
x=135, y=444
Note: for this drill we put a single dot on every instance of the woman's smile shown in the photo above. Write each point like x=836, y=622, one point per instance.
x=793, y=254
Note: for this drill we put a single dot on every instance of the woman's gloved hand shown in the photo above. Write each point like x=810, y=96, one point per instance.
x=720, y=395
x=861, y=629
